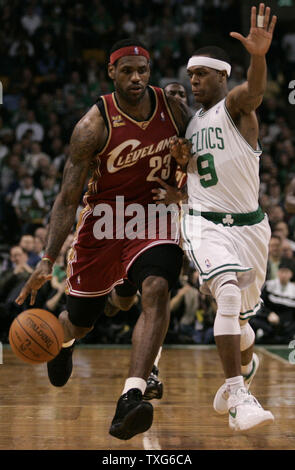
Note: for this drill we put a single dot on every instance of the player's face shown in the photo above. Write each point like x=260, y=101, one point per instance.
x=178, y=91
x=131, y=76
x=206, y=83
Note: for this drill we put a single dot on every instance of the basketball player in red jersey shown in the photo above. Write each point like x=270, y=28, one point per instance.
x=123, y=296
x=123, y=140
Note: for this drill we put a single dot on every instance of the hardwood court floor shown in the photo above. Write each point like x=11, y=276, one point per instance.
x=34, y=415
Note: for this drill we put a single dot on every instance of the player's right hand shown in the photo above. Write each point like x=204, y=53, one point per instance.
x=180, y=149
x=42, y=274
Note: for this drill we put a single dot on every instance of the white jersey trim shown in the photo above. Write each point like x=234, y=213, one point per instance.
x=239, y=134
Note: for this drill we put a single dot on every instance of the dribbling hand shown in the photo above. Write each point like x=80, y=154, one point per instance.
x=37, y=279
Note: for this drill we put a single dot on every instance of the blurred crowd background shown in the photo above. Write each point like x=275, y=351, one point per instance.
x=54, y=56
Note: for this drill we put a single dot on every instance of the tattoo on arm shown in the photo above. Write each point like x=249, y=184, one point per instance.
x=83, y=145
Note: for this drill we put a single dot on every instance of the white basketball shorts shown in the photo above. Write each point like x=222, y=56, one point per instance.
x=215, y=249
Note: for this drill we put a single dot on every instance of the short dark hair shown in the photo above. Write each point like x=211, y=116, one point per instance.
x=174, y=83
x=126, y=43
x=287, y=263
x=215, y=52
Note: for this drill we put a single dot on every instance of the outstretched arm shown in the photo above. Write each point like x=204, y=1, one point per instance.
x=87, y=137
x=248, y=96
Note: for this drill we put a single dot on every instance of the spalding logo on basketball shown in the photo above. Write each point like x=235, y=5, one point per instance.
x=36, y=336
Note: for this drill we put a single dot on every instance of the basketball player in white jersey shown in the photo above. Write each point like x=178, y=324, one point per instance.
x=225, y=232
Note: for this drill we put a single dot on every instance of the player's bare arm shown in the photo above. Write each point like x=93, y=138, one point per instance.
x=179, y=146
x=88, y=136
x=181, y=113
x=242, y=100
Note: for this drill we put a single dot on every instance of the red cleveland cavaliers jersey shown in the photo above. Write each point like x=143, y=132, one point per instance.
x=136, y=152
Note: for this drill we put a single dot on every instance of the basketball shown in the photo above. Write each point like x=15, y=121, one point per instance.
x=36, y=336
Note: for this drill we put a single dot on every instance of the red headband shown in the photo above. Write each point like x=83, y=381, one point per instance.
x=130, y=50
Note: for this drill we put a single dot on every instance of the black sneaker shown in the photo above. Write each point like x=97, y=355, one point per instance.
x=154, y=388
x=133, y=415
x=60, y=368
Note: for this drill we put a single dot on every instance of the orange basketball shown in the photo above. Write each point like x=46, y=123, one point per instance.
x=36, y=336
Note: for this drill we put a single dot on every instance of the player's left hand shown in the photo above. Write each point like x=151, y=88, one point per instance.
x=167, y=194
x=259, y=39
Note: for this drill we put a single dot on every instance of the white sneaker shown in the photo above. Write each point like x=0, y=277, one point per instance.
x=245, y=412
x=221, y=396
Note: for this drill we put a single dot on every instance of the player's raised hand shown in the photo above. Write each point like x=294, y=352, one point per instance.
x=180, y=149
x=41, y=275
x=259, y=38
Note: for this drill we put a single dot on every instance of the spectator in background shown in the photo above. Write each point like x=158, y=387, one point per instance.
x=187, y=301
x=27, y=243
x=30, y=124
x=290, y=197
x=287, y=251
x=29, y=205
x=9, y=171
x=275, y=215
x=19, y=43
x=50, y=189
x=177, y=90
x=31, y=21
x=274, y=256
x=274, y=191
x=38, y=246
x=75, y=87
x=41, y=232
x=237, y=76
x=288, y=44
x=32, y=159
x=11, y=283
x=282, y=230
x=275, y=322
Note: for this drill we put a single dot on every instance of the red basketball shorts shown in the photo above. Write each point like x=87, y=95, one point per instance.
x=95, y=265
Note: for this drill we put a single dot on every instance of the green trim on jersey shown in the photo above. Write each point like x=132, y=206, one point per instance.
x=249, y=313
x=240, y=135
x=234, y=267
x=191, y=247
x=231, y=219
x=235, y=270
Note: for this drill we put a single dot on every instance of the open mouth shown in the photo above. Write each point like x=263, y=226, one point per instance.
x=136, y=89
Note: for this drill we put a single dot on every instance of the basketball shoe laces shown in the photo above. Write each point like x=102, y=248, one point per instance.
x=242, y=397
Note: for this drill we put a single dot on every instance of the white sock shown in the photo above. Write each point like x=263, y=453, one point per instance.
x=134, y=382
x=247, y=368
x=158, y=357
x=235, y=383
x=68, y=344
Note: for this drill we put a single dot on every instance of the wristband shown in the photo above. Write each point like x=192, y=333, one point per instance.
x=48, y=258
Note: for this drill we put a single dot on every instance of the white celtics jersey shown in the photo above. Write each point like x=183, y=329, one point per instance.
x=223, y=174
